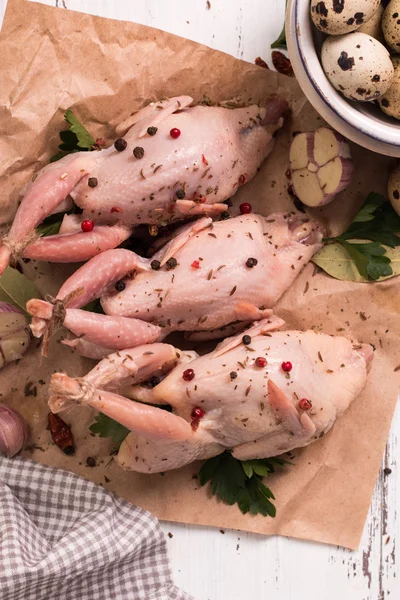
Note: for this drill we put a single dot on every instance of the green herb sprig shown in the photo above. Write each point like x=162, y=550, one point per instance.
x=106, y=427
x=17, y=289
x=75, y=139
x=240, y=482
x=379, y=223
x=280, y=42
x=233, y=481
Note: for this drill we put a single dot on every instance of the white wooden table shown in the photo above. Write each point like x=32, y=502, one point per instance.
x=214, y=565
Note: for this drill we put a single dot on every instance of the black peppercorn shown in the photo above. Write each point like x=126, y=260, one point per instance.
x=120, y=286
x=225, y=215
x=92, y=182
x=152, y=130
x=120, y=144
x=69, y=450
x=90, y=461
x=251, y=262
x=233, y=374
x=153, y=381
x=155, y=265
x=138, y=152
x=246, y=339
x=171, y=263
x=180, y=194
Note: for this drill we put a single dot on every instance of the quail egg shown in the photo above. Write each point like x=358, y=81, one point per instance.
x=390, y=101
x=357, y=65
x=373, y=27
x=394, y=189
x=342, y=16
x=391, y=25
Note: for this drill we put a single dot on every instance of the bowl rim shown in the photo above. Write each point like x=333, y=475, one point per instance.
x=364, y=124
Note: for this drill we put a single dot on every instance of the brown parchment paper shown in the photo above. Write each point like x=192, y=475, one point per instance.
x=53, y=59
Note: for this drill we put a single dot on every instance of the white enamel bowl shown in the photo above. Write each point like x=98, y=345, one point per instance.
x=362, y=122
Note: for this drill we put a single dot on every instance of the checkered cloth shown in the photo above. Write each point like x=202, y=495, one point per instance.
x=64, y=538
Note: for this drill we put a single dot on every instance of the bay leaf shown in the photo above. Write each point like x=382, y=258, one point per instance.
x=334, y=260
x=16, y=289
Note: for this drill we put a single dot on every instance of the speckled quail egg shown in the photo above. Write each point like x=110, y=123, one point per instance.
x=391, y=24
x=394, y=189
x=373, y=27
x=342, y=16
x=357, y=65
x=390, y=101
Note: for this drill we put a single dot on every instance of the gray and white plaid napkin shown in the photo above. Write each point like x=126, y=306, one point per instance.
x=64, y=538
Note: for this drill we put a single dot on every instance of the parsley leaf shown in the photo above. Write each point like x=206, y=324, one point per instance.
x=51, y=225
x=226, y=475
x=85, y=140
x=237, y=482
x=377, y=222
x=106, y=427
x=94, y=306
x=75, y=139
x=280, y=42
x=369, y=259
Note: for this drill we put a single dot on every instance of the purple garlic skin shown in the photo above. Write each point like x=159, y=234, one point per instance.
x=14, y=334
x=13, y=431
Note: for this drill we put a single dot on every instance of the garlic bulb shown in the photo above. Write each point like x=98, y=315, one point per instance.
x=13, y=431
x=14, y=334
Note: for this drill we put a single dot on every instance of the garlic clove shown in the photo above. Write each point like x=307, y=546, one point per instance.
x=13, y=431
x=14, y=334
x=13, y=346
x=320, y=166
x=10, y=322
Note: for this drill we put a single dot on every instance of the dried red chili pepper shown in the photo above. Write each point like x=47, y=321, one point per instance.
x=282, y=64
x=261, y=63
x=61, y=434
